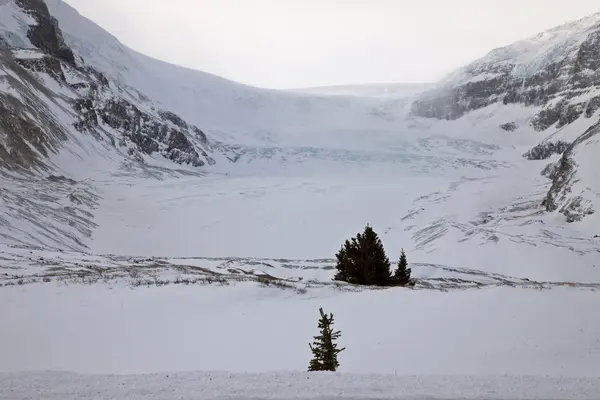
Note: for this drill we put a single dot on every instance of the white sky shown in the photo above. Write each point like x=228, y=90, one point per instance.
x=299, y=43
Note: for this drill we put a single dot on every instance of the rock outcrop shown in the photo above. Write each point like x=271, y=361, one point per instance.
x=46, y=35
x=165, y=133
x=546, y=149
x=563, y=196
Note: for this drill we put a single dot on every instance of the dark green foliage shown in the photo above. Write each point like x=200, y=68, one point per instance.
x=324, y=348
x=362, y=260
x=402, y=273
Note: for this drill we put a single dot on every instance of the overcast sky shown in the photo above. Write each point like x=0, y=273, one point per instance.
x=300, y=43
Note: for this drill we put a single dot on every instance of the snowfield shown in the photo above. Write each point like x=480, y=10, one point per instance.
x=247, y=327
x=224, y=386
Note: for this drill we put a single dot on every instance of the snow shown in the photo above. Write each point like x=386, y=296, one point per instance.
x=480, y=77
x=392, y=90
x=7, y=88
x=14, y=24
x=281, y=385
x=244, y=327
x=32, y=54
x=275, y=216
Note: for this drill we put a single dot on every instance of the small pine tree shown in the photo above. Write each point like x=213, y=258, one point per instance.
x=324, y=348
x=363, y=261
x=402, y=273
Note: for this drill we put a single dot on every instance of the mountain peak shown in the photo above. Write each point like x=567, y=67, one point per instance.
x=558, y=64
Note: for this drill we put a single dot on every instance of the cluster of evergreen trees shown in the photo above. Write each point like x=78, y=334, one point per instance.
x=362, y=261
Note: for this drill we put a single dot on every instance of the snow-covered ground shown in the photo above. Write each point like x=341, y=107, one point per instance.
x=223, y=386
x=246, y=327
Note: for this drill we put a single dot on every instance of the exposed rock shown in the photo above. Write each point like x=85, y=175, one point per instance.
x=576, y=209
x=562, y=112
x=61, y=178
x=200, y=135
x=150, y=133
x=547, y=117
x=73, y=198
x=98, y=75
x=29, y=130
x=592, y=106
x=45, y=64
x=509, y=126
x=88, y=118
x=46, y=35
x=14, y=149
x=563, y=174
x=169, y=116
x=570, y=113
x=560, y=173
x=546, y=149
x=587, y=56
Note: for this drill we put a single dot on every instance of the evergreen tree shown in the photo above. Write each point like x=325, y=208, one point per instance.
x=402, y=273
x=324, y=348
x=363, y=260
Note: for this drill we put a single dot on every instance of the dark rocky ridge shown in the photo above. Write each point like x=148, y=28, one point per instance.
x=46, y=35
x=47, y=64
x=546, y=149
x=149, y=133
